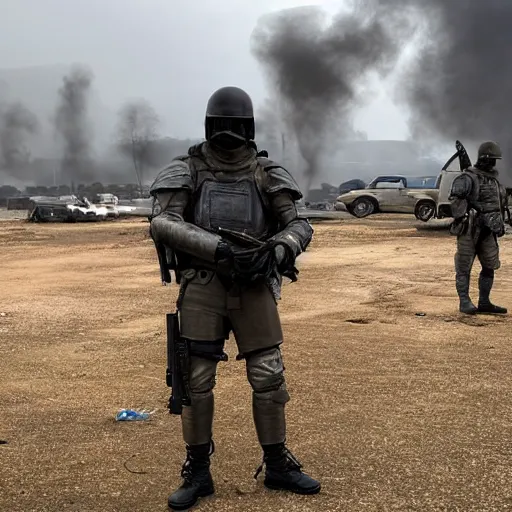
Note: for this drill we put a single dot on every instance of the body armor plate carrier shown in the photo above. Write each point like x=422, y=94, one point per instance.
x=231, y=205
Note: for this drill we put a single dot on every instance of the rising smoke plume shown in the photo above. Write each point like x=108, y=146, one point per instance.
x=459, y=86
x=72, y=124
x=17, y=124
x=320, y=69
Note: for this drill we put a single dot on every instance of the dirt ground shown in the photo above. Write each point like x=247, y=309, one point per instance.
x=390, y=410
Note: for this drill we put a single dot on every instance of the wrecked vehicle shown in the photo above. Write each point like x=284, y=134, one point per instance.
x=347, y=186
x=322, y=205
x=68, y=209
x=385, y=194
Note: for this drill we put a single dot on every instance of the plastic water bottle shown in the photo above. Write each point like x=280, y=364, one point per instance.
x=131, y=415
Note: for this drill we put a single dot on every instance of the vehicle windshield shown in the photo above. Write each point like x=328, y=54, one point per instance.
x=422, y=182
x=393, y=182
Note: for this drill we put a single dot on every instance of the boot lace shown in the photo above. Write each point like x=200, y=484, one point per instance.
x=187, y=470
x=288, y=461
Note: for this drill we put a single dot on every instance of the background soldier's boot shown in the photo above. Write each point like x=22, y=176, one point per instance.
x=197, y=479
x=283, y=471
x=485, y=283
x=466, y=305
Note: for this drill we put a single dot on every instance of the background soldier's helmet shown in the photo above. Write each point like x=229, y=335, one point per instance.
x=489, y=150
x=229, y=113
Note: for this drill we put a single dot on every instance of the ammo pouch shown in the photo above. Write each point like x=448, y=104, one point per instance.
x=494, y=221
x=459, y=226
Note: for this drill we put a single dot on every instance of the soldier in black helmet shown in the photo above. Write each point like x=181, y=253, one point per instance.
x=478, y=202
x=223, y=186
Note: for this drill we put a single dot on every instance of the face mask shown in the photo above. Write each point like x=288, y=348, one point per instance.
x=227, y=141
x=486, y=164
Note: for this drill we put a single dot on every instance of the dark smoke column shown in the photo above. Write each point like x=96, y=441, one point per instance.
x=319, y=69
x=72, y=124
x=460, y=84
x=17, y=124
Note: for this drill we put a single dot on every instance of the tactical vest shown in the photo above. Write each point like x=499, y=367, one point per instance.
x=485, y=194
x=485, y=198
x=232, y=200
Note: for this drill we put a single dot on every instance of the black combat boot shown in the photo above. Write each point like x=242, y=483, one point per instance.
x=197, y=479
x=283, y=471
x=466, y=305
x=485, y=283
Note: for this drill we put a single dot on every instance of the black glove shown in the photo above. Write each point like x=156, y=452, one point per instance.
x=284, y=256
x=224, y=251
x=250, y=266
x=285, y=261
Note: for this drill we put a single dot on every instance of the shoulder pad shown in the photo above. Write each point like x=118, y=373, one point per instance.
x=462, y=185
x=266, y=163
x=278, y=179
x=464, y=176
x=174, y=177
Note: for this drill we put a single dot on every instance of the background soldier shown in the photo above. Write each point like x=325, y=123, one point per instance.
x=478, y=207
x=223, y=183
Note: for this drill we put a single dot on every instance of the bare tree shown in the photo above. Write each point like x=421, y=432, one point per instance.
x=137, y=130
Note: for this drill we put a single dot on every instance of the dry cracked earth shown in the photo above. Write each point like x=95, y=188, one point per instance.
x=399, y=403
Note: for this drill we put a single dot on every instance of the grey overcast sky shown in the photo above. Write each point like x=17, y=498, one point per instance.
x=174, y=53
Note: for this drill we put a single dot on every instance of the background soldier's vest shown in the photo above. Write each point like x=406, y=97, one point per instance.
x=485, y=198
x=485, y=195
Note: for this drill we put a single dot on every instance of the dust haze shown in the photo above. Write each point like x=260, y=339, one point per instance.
x=320, y=71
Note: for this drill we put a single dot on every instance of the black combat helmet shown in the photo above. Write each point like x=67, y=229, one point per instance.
x=489, y=150
x=229, y=118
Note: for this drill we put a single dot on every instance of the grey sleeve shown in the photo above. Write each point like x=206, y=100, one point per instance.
x=459, y=194
x=461, y=187
x=295, y=233
x=170, y=230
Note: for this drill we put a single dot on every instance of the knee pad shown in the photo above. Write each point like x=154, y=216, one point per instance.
x=265, y=372
x=487, y=272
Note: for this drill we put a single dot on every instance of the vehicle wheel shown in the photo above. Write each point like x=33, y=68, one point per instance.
x=362, y=207
x=424, y=210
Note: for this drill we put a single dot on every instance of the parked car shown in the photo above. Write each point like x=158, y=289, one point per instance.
x=385, y=194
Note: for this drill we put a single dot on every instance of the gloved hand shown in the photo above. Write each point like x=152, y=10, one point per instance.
x=284, y=257
x=245, y=266
x=252, y=265
x=281, y=255
x=224, y=251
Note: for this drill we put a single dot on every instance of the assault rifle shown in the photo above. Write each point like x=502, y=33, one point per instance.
x=178, y=363
x=242, y=239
